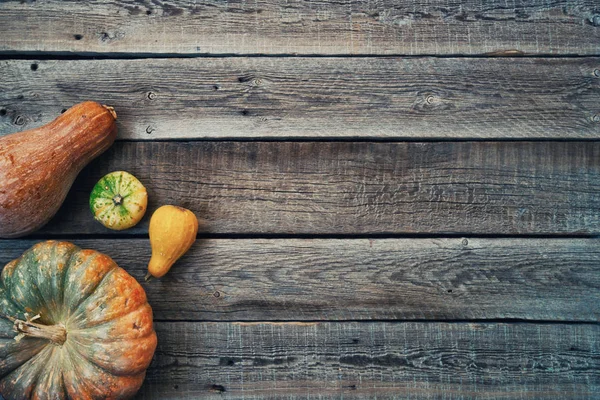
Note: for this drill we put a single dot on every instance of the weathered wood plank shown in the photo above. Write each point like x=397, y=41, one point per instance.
x=302, y=27
x=357, y=187
x=360, y=279
x=314, y=97
x=386, y=360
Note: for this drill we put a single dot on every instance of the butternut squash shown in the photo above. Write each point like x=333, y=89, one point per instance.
x=172, y=231
x=38, y=166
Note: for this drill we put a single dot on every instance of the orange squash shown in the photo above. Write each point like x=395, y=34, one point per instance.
x=38, y=166
x=74, y=325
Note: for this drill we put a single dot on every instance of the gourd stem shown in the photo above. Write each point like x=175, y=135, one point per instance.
x=148, y=277
x=57, y=334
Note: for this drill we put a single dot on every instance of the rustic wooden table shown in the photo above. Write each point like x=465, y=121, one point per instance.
x=402, y=198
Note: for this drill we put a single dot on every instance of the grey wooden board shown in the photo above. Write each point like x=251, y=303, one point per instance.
x=360, y=279
x=383, y=360
x=301, y=27
x=356, y=187
x=395, y=98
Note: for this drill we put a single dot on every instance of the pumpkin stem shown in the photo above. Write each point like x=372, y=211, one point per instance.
x=57, y=334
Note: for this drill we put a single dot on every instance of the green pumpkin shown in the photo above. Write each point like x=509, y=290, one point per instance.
x=119, y=200
x=73, y=325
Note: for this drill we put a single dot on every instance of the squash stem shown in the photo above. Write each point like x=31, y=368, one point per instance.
x=57, y=334
x=111, y=110
x=148, y=277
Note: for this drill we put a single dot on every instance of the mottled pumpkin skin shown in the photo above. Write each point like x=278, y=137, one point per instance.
x=119, y=200
x=110, y=338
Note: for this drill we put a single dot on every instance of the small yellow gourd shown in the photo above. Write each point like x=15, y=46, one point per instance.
x=172, y=232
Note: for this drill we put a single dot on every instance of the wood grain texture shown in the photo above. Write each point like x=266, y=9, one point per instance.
x=360, y=279
x=301, y=27
x=384, y=360
x=410, y=98
x=356, y=187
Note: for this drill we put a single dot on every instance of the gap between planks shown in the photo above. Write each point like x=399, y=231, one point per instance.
x=317, y=236
x=292, y=322
x=74, y=56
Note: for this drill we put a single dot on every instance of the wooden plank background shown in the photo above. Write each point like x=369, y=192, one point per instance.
x=302, y=27
x=360, y=188
x=385, y=360
x=392, y=206
x=367, y=279
x=383, y=98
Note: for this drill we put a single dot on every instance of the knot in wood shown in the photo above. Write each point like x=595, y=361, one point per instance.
x=107, y=37
x=20, y=120
x=251, y=80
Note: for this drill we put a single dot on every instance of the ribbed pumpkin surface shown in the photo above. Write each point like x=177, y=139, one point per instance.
x=110, y=339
